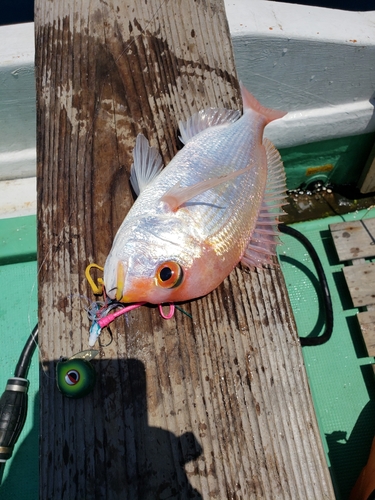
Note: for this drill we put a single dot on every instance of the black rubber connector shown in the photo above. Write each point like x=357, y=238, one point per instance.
x=14, y=401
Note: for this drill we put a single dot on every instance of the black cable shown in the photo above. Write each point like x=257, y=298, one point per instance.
x=24, y=361
x=308, y=341
x=13, y=402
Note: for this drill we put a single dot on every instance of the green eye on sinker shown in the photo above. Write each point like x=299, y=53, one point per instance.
x=75, y=377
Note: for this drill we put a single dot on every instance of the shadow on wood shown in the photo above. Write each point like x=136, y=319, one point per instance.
x=145, y=461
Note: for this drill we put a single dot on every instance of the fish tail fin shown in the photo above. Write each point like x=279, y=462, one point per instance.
x=250, y=102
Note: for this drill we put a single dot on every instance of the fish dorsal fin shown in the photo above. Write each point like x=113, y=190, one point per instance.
x=261, y=248
x=178, y=195
x=147, y=164
x=209, y=117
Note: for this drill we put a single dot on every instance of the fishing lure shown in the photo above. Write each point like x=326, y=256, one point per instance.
x=100, y=315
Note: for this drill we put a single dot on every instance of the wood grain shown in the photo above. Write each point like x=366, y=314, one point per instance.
x=361, y=283
x=212, y=406
x=366, y=321
x=355, y=239
x=366, y=182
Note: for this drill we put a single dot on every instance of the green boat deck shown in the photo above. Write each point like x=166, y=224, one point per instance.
x=340, y=372
x=18, y=316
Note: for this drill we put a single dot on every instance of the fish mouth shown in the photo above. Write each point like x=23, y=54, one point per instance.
x=114, y=278
x=124, y=293
x=120, y=282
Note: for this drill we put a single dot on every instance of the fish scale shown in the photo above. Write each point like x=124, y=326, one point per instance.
x=212, y=210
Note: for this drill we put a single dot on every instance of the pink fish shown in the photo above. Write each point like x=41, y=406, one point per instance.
x=214, y=205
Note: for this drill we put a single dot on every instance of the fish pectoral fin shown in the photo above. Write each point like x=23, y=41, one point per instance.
x=209, y=117
x=177, y=195
x=147, y=164
x=261, y=248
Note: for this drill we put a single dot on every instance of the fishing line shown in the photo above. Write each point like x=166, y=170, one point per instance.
x=365, y=227
x=50, y=253
x=295, y=89
x=184, y=312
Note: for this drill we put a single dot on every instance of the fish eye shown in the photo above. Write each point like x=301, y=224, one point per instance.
x=169, y=274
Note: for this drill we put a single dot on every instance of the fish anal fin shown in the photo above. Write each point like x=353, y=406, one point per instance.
x=177, y=195
x=261, y=248
x=209, y=117
x=147, y=164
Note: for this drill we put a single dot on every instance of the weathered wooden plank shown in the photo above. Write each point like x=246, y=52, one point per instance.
x=367, y=323
x=367, y=181
x=361, y=283
x=355, y=239
x=216, y=406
